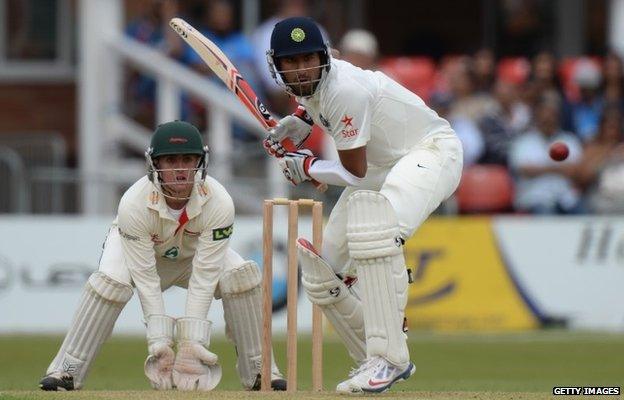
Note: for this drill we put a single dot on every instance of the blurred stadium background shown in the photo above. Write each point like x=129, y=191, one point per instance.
x=518, y=278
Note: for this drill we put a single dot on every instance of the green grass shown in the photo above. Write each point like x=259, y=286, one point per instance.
x=448, y=366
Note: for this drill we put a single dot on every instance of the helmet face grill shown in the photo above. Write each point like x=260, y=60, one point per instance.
x=176, y=138
x=297, y=87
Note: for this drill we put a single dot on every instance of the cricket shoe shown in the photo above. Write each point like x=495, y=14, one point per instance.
x=278, y=383
x=57, y=381
x=376, y=375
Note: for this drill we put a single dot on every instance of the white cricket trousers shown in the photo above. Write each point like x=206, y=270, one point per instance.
x=415, y=186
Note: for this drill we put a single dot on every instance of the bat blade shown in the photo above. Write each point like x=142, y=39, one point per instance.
x=218, y=62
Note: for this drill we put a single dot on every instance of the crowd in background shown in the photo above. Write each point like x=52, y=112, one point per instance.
x=506, y=112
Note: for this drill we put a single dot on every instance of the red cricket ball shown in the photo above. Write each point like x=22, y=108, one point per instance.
x=559, y=151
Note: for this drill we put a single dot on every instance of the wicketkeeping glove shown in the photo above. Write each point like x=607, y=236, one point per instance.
x=159, y=363
x=295, y=165
x=195, y=367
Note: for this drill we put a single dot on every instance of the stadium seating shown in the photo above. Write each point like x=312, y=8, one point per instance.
x=566, y=74
x=513, y=70
x=415, y=73
x=485, y=189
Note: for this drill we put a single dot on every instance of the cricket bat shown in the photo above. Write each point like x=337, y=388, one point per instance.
x=227, y=72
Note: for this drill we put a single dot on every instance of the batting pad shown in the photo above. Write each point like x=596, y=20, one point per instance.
x=339, y=305
x=101, y=303
x=375, y=246
x=242, y=310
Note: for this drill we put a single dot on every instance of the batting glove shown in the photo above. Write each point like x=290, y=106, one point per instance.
x=159, y=363
x=195, y=367
x=274, y=147
x=296, y=126
x=295, y=166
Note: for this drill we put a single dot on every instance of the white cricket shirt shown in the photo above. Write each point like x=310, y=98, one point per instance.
x=152, y=237
x=359, y=107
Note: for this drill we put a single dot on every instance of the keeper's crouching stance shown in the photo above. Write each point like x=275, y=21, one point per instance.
x=398, y=161
x=172, y=229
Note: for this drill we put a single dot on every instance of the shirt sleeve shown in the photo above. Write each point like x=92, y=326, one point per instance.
x=349, y=115
x=140, y=259
x=209, y=257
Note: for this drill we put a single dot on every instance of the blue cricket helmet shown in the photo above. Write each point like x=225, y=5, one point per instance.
x=296, y=35
x=293, y=36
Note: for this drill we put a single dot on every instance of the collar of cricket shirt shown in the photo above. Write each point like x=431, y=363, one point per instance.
x=199, y=196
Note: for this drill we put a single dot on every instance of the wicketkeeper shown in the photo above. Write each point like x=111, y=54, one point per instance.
x=173, y=228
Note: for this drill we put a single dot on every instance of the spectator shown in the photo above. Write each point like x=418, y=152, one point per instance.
x=613, y=86
x=466, y=102
x=466, y=130
x=484, y=65
x=360, y=48
x=218, y=25
x=587, y=111
x=601, y=171
x=508, y=118
x=545, y=186
x=543, y=78
x=148, y=27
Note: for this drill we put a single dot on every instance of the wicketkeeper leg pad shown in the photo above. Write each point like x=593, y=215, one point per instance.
x=339, y=305
x=242, y=308
x=102, y=300
x=375, y=245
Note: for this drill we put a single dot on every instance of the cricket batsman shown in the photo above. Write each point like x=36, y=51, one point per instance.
x=173, y=228
x=398, y=161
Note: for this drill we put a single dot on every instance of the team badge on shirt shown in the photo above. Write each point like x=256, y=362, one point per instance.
x=325, y=122
x=349, y=130
x=172, y=253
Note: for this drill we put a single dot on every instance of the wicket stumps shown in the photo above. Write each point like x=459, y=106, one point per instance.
x=292, y=283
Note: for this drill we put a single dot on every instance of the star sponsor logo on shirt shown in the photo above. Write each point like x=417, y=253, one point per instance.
x=222, y=233
x=349, y=130
x=348, y=121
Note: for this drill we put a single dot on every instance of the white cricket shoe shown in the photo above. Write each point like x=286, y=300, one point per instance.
x=376, y=375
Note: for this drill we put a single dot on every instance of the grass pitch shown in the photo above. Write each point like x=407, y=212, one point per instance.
x=519, y=366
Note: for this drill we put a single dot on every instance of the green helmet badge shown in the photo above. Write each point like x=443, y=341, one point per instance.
x=297, y=35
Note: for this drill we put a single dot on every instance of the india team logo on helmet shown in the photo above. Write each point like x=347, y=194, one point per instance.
x=297, y=34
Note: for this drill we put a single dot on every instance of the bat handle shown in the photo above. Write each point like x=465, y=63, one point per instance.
x=321, y=187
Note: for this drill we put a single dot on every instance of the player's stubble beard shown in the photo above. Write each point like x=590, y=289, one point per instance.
x=304, y=86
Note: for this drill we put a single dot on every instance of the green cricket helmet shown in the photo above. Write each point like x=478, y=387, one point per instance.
x=176, y=137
